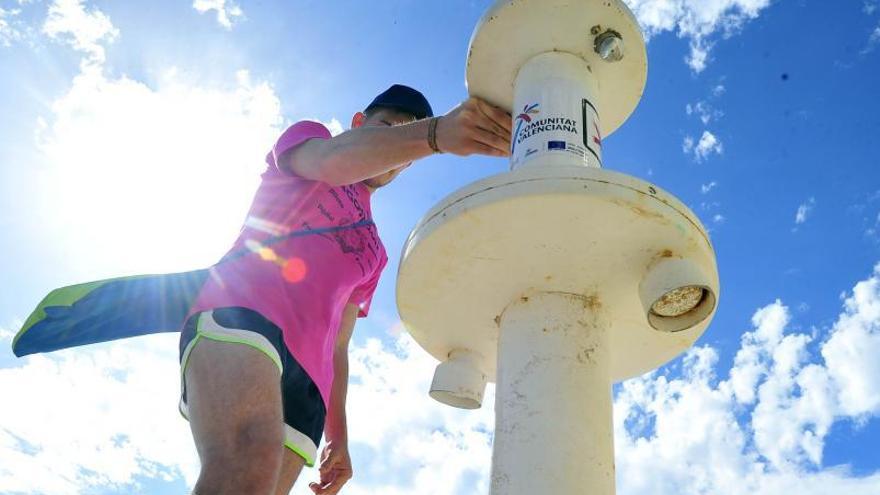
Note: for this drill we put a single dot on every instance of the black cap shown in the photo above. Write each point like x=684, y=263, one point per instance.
x=404, y=99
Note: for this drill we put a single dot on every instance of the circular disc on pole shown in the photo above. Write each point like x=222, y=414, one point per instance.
x=575, y=230
x=514, y=31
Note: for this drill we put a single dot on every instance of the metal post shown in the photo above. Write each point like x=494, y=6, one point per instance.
x=553, y=429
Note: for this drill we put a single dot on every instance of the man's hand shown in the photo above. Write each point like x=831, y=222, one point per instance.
x=475, y=127
x=335, y=469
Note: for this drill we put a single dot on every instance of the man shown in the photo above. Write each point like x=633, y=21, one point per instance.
x=264, y=352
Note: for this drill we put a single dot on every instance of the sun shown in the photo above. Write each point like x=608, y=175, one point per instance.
x=143, y=180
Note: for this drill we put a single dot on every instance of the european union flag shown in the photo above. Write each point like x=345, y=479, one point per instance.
x=556, y=145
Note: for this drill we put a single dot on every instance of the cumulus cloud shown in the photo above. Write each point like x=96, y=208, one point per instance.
x=873, y=229
x=707, y=145
x=758, y=428
x=170, y=166
x=95, y=417
x=804, y=210
x=700, y=21
x=85, y=30
x=869, y=7
x=227, y=11
x=706, y=188
x=105, y=415
x=762, y=429
x=408, y=442
x=851, y=352
x=873, y=41
x=8, y=31
x=705, y=111
x=334, y=126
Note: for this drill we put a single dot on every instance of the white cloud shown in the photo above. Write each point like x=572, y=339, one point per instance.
x=759, y=430
x=706, y=146
x=872, y=230
x=710, y=205
x=698, y=58
x=688, y=144
x=706, y=188
x=84, y=30
x=851, y=352
x=8, y=31
x=869, y=6
x=334, y=125
x=804, y=210
x=227, y=11
x=412, y=443
x=763, y=429
x=93, y=417
x=718, y=218
x=705, y=111
x=873, y=41
x=697, y=20
x=171, y=168
x=119, y=419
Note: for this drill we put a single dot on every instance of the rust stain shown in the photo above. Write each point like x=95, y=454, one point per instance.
x=638, y=210
x=592, y=302
x=586, y=355
x=660, y=255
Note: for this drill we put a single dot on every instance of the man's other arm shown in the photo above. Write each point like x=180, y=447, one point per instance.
x=335, y=466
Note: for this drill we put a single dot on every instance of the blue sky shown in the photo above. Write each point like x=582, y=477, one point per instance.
x=132, y=136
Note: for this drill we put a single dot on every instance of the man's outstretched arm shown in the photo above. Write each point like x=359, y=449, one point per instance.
x=335, y=467
x=474, y=127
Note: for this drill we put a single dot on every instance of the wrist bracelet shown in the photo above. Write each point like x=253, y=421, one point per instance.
x=432, y=134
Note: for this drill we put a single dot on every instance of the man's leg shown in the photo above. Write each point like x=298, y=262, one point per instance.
x=291, y=467
x=234, y=408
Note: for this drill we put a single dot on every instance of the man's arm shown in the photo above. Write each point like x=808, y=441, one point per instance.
x=336, y=428
x=335, y=468
x=474, y=127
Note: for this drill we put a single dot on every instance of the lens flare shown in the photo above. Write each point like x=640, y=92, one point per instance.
x=294, y=270
x=267, y=254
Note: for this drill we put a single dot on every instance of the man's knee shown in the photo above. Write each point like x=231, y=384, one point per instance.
x=250, y=465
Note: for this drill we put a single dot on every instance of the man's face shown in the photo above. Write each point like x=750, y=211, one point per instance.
x=389, y=118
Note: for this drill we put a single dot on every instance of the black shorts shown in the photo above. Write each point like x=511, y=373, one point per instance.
x=304, y=410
